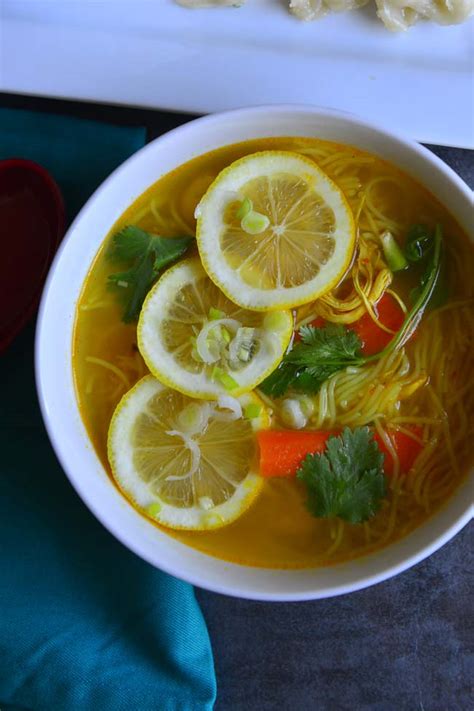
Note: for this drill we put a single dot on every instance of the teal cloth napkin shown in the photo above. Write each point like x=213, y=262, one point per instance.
x=84, y=624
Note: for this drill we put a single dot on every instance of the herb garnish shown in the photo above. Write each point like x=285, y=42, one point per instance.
x=147, y=254
x=320, y=353
x=347, y=480
x=419, y=241
x=324, y=351
x=419, y=244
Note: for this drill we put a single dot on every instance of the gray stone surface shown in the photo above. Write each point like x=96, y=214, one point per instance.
x=459, y=160
x=403, y=645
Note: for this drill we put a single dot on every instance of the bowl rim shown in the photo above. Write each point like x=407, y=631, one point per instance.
x=386, y=572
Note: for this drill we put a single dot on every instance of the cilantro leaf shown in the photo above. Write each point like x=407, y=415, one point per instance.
x=135, y=284
x=278, y=382
x=146, y=254
x=346, y=481
x=320, y=353
x=130, y=243
x=307, y=382
x=325, y=349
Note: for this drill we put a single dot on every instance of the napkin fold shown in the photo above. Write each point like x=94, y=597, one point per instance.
x=84, y=624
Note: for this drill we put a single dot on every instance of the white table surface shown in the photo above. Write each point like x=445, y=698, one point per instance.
x=153, y=53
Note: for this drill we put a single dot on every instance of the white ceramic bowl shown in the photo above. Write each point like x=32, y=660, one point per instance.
x=54, y=340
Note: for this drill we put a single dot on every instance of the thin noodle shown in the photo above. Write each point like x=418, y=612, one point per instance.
x=399, y=301
x=109, y=366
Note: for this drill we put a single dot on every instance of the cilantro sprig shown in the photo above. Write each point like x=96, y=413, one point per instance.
x=320, y=353
x=324, y=351
x=146, y=255
x=347, y=480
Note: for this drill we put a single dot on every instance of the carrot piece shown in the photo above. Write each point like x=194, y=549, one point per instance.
x=282, y=451
x=373, y=338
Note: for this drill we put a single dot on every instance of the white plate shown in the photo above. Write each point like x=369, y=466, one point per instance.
x=154, y=53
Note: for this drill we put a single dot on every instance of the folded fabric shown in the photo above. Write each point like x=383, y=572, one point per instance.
x=84, y=624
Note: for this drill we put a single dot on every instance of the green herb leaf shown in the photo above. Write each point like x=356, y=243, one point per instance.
x=440, y=294
x=346, y=481
x=321, y=353
x=130, y=243
x=146, y=254
x=324, y=351
x=138, y=282
x=278, y=382
x=418, y=243
x=305, y=382
x=332, y=342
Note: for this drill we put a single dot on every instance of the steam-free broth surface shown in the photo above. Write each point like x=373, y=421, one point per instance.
x=427, y=384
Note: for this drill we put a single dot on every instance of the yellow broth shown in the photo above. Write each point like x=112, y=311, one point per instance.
x=278, y=531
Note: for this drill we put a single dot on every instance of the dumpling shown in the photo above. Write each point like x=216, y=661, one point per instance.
x=401, y=14
x=312, y=9
x=396, y=15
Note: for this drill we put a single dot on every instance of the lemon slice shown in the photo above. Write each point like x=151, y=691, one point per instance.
x=186, y=463
x=295, y=245
x=194, y=339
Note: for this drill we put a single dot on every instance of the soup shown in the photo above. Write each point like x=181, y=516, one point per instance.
x=394, y=396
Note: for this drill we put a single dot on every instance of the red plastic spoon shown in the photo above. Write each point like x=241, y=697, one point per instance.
x=32, y=220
